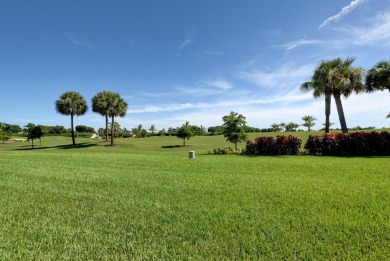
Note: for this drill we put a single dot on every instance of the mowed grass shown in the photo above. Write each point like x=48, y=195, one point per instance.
x=140, y=201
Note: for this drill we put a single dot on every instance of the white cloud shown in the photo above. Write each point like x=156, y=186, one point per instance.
x=287, y=75
x=302, y=42
x=185, y=43
x=344, y=11
x=214, y=53
x=196, y=91
x=262, y=112
x=286, y=98
x=219, y=83
x=77, y=42
x=207, y=87
x=375, y=31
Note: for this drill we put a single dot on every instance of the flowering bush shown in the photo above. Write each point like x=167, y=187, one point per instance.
x=282, y=145
x=225, y=151
x=353, y=144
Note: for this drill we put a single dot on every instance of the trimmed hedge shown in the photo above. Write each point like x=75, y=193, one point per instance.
x=282, y=145
x=350, y=144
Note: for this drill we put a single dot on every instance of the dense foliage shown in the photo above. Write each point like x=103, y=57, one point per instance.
x=184, y=132
x=335, y=77
x=282, y=145
x=234, y=124
x=353, y=144
x=84, y=129
x=71, y=103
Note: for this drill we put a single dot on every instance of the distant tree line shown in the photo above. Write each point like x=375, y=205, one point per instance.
x=331, y=78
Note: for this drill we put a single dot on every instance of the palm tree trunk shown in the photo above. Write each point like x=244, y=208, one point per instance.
x=71, y=126
x=106, y=127
x=112, y=131
x=340, y=111
x=327, y=111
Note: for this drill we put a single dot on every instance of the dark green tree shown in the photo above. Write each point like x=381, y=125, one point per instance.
x=4, y=136
x=378, y=77
x=71, y=103
x=184, y=132
x=34, y=132
x=291, y=126
x=234, y=124
x=84, y=129
x=276, y=128
x=216, y=130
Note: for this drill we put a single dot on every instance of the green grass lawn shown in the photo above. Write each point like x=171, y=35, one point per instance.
x=139, y=201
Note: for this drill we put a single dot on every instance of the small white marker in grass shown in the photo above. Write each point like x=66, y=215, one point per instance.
x=192, y=154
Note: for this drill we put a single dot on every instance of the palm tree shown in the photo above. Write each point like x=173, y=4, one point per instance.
x=71, y=103
x=152, y=128
x=116, y=106
x=378, y=78
x=275, y=127
x=335, y=77
x=282, y=126
x=309, y=121
x=99, y=105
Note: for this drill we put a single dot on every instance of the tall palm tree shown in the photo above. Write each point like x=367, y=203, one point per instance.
x=116, y=106
x=378, y=78
x=99, y=105
x=71, y=103
x=335, y=77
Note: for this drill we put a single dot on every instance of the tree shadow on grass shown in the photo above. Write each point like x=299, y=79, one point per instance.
x=171, y=146
x=64, y=147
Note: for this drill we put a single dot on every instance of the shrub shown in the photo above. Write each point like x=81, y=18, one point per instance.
x=282, y=145
x=353, y=144
x=225, y=151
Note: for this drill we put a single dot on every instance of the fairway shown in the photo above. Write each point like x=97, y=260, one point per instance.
x=138, y=200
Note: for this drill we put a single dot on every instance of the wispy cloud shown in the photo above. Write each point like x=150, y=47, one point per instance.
x=375, y=31
x=218, y=83
x=185, y=43
x=289, y=97
x=214, y=53
x=196, y=91
x=287, y=75
x=212, y=86
x=77, y=42
x=344, y=11
x=260, y=113
x=302, y=42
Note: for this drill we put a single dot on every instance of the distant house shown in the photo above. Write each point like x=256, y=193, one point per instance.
x=129, y=135
x=95, y=136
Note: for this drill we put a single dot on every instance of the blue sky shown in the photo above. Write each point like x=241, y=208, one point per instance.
x=176, y=60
